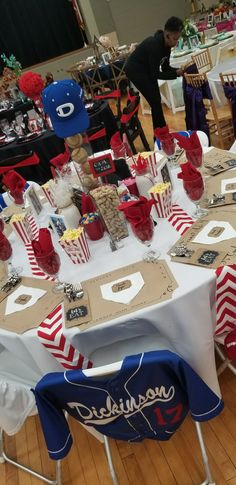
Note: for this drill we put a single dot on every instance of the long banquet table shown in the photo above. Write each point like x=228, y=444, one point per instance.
x=186, y=321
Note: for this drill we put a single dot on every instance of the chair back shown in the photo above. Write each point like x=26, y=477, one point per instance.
x=97, y=137
x=226, y=52
x=18, y=161
x=203, y=60
x=228, y=81
x=218, y=123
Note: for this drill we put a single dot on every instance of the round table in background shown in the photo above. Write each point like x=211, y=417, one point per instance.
x=47, y=146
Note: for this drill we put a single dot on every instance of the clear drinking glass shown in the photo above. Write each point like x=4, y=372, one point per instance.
x=144, y=233
x=195, y=156
x=195, y=189
x=50, y=263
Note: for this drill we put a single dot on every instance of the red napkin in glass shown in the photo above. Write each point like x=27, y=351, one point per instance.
x=43, y=246
x=13, y=181
x=189, y=172
x=163, y=133
x=60, y=159
x=137, y=211
x=140, y=165
x=87, y=204
x=188, y=143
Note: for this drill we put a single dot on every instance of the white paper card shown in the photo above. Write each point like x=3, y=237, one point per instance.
x=204, y=238
x=225, y=183
x=33, y=293
x=134, y=281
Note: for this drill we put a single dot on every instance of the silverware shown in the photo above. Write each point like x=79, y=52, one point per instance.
x=181, y=251
x=73, y=292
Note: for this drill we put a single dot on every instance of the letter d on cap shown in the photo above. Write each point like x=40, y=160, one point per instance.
x=65, y=110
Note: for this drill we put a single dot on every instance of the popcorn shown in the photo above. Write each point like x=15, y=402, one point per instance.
x=75, y=245
x=21, y=226
x=161, y=194
x=71, y=234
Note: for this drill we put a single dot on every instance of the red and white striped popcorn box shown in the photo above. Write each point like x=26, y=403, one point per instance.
x=77, y=248
x=22, y=226
x=162, y=195
x=152, y=163
x=48, y=194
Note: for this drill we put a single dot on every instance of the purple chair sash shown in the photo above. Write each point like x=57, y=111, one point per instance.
x=195, y=111
x=230, y=93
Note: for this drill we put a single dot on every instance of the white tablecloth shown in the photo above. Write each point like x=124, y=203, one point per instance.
x=187, y=320
x=179, y=61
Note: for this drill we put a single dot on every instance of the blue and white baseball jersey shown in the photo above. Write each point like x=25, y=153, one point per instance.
x=148, y=398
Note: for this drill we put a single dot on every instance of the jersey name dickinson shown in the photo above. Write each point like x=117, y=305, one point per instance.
x=148, y=398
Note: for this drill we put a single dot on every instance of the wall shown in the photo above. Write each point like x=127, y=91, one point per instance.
x=134, y=20
x=59, y=66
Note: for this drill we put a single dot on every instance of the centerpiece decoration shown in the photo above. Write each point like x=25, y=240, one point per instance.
x=10, y=75
x=189, y=30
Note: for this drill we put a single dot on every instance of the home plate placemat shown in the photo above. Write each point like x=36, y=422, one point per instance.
x=28, y=304
x=221, y=189
x=128, y=289
x=209, y=242
x=217, y=160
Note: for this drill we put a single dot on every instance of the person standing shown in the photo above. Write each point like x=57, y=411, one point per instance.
x=150, y=61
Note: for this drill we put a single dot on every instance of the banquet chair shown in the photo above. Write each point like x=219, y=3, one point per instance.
x=228, y=81
x=203, y=61
x=104, y=354
x=97, y=137
x=225, y=332
x=130, y=123
x=17, y=402
x=219, y=120
x=226, y=52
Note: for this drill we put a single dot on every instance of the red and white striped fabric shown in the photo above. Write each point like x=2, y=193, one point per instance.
x=50, y=334
x=225, y=299
x=180, y=220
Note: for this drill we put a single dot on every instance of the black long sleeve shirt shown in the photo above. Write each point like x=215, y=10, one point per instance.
x=153, y=56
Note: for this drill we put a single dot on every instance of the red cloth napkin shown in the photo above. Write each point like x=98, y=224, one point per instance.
x=87, y=204
x=188, y=172
x=60, y=159
x=188, y=143
x=163, y=133
x=13, y=181
x=137, y=211
x=43, y=246
x=140, y=165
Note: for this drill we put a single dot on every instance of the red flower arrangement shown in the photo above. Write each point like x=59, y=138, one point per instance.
x=31, y=84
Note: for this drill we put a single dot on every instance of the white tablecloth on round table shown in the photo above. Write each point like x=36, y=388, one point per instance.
x=180, y=61
x=187, y=320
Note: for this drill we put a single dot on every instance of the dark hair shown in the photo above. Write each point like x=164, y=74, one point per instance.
x=174, y=24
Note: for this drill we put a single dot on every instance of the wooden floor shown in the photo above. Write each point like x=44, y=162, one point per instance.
x=149, y=463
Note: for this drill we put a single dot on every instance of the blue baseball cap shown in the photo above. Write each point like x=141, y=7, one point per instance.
x=62, y=101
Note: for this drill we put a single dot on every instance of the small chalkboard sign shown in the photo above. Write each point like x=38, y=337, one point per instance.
x=102, y=165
